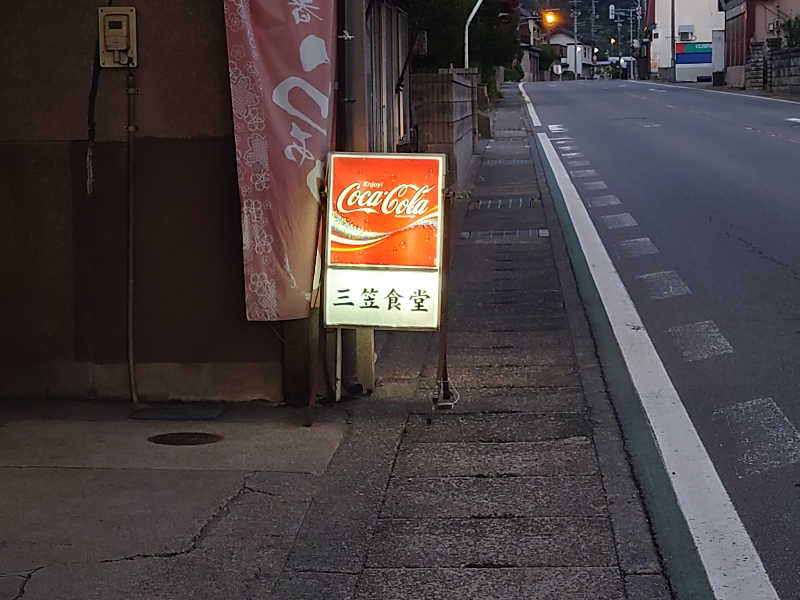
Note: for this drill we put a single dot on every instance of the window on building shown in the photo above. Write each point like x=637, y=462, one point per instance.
x=655, y=36
x=686, y=36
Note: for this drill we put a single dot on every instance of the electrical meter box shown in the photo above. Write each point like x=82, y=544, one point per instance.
x=117, y=36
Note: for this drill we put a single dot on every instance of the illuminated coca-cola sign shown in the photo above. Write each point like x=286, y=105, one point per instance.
x=384, y=240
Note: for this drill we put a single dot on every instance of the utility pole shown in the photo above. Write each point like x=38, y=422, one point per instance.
x=594, y=16
x=674, y=65
x=630, y=21
x=575, y=13
x=639, y=26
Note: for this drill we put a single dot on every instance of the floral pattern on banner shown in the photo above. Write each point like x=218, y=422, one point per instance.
x=281, y=77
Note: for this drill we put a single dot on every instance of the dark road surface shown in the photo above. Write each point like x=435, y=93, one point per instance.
x=712, y=180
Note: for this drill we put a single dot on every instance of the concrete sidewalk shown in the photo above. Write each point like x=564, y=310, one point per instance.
x=523, y=491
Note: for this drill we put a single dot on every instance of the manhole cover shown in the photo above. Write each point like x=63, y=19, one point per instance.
x=185, y=438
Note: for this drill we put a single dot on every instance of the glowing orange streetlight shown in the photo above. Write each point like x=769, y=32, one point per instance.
x=550, y=18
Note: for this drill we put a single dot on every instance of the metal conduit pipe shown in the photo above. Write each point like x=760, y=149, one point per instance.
x=131, y=91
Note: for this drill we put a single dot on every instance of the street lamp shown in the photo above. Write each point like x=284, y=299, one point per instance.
x=550, y=18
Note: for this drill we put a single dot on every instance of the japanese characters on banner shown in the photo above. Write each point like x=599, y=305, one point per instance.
x=384, y=240
x=280, y=58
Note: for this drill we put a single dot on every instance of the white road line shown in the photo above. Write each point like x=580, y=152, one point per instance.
x=578, y=163
x=794, y=120
x=584, y=173
x=700, y=341
x=664, y=284
x=618, y=221
x=683, y=87
x=734, y=569
x=766, y=439
x=594, y=186
x=603, y=201
x=531, y=111
x=557, y=128
x=573, y=155
x=637, y=247
x=560, y=140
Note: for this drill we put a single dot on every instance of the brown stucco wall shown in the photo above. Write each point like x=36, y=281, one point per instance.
x=63, y=251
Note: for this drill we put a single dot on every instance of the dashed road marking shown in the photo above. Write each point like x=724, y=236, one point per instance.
x=700, y=341
x=765, y=437
x=557, y=128
x=664, y=284
x=603, y=201
x=578, y=163
x=568, y=148
x=794, y=120
x=584, y=173
x=734, y=568
x=573, y=155
x=637, y=247
x=618, y=221
x=594, y=185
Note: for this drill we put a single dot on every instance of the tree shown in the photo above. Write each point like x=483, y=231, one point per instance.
x=494, y=37
x=791, y=31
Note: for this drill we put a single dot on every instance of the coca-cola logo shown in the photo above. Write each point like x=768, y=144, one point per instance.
x=405, y=201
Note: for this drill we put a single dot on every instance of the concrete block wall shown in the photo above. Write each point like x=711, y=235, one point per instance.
x=756, y=64
x=443, y=111
x=786, y=71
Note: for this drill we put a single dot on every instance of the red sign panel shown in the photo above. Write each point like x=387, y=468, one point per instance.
x=385, y=210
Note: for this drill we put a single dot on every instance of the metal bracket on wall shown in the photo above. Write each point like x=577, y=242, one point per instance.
x=346, y=36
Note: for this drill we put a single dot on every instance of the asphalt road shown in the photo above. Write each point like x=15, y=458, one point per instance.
x=712, y=180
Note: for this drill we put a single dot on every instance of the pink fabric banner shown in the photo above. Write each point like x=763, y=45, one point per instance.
x=281, y=60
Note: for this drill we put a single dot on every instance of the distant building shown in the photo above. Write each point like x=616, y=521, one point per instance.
x=748, y=21
x=530, y=38
x=695, y=20
x=566, y=48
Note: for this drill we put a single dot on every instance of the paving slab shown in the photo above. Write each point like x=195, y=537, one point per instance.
x=493, y=376
x=337, y=527
x=255, y=446
x=91, y=515
x=494, y=497
x=543, y=343
x=513, y=427
x=508, y=400
x=316, y=586
x=572, y=456
x=647, y=587
x=10, y=586
x=550, y=541
x=546, y=321
x=492, y=584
